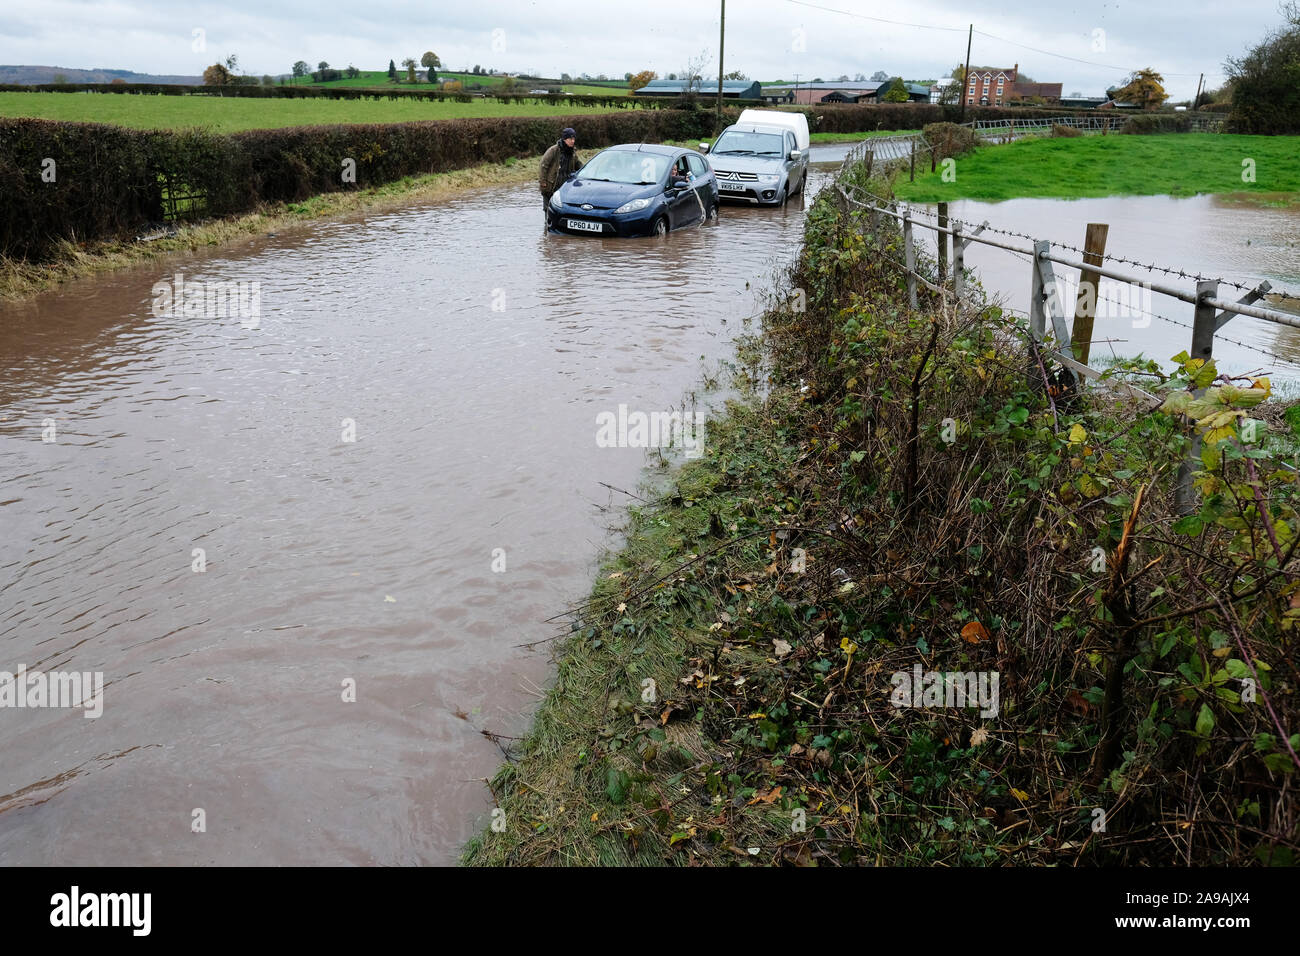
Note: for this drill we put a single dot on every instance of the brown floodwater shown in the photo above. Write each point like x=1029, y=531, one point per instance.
x=469, y=354
x=1210, y=235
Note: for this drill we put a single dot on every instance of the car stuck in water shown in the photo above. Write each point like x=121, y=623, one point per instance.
x=762, y=159
x=636, y=189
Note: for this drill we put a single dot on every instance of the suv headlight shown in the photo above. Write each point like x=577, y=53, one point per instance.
x=555, y=201
x=636, y=205
x=769, y=178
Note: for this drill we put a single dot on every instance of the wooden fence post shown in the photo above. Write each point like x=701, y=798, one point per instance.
x=909, y=256
x=958, y=259
x=1203, y=324
x=1085, y=304
x=1037, y=298
x=942, y=239
x=912, y=174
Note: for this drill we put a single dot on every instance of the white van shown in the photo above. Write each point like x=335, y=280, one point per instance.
x=762, y=158
x=797, y=123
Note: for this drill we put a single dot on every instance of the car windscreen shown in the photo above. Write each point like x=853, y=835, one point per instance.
x=626, y=166
x=736, y=142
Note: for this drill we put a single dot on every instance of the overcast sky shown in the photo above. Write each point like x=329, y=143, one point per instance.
x=766, y=39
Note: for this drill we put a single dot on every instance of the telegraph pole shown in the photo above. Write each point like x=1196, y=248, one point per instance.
x=1197, y=102
x=965, y=79
x=722, y=42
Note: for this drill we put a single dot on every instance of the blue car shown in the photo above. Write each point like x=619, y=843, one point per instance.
x=636, y=190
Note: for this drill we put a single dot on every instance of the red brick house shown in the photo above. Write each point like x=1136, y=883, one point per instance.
x=990, y=85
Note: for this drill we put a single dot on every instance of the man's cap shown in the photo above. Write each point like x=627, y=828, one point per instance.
x=569, y=132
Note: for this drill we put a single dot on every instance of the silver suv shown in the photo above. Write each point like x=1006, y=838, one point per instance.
x=758, y=164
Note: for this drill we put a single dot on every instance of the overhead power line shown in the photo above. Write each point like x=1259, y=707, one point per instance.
x=991, y=36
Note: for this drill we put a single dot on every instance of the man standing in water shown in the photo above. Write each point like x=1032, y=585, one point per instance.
x=557, y=163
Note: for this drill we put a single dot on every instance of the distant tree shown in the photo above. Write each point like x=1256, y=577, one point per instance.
x=232, y=63
x=392, y=71
x=300, y=69
x=672, y=76
x=1264, y=85
x=508, y=85
x=60, y=78
x=352, y=72
x=635, y=83
x=409, y=65
x=735, y=75
x=1144, y=88
x=816, y=79
x=216, y=75
x=842, y=78
x=897, y=92
x=431, y=62
x=627, y=77
x=603, y=78
x=117, y=81
x=859, y=78
x=322, y=66
x=565, y=78
x=879, y=76
x=453, y=86
x=268, y=79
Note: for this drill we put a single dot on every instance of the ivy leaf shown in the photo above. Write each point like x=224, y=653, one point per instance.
x=1204, y=721
x=1189, y=524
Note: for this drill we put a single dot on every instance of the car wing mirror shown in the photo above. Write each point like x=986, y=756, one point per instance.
x=796, y=155
x=704, y=147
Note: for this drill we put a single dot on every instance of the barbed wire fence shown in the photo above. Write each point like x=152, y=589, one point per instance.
x=1210, y=311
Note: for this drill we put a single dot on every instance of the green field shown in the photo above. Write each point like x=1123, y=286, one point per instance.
x=232, y=114
x=1175, y=164
x=379, y=78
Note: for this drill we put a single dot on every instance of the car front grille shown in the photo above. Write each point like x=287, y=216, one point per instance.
x=733, y=176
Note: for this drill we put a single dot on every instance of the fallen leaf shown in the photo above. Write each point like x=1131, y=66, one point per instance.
x=389, y=599
x=781, y=647
x=621, y=607
x=978, y=736
x=616, y=574
x=974, y=632
x=594, y=816
x=769, y=797
x=1019, y=794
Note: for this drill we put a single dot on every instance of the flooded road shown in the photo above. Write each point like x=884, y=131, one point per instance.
x=303, y=554
x=1210, y=235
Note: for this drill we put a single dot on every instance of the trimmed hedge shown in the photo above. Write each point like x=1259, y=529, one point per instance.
x=868, y=117
x=111, y=182
x=1146, y=123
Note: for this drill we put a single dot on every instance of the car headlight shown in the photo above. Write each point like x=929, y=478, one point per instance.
x=555, y=201
x=769, y=178
x=636, y=205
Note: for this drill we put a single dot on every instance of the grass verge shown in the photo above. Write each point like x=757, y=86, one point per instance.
x=20, y=279
x=913, y=607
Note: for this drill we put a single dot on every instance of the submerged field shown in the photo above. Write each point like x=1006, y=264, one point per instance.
x=1264, y=168
x=234, y=114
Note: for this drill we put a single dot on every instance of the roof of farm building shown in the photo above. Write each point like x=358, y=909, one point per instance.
x=741, y=88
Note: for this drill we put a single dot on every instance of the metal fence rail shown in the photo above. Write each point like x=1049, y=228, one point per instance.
x=1210, y=312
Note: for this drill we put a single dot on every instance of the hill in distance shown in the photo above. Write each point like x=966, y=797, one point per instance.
x=32, y=75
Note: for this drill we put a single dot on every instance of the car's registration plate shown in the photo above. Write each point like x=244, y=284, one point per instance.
x=734, y=187
x=585, y=226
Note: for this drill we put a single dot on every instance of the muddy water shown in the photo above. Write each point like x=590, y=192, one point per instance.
x=1209, y=235
x=470, y=354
